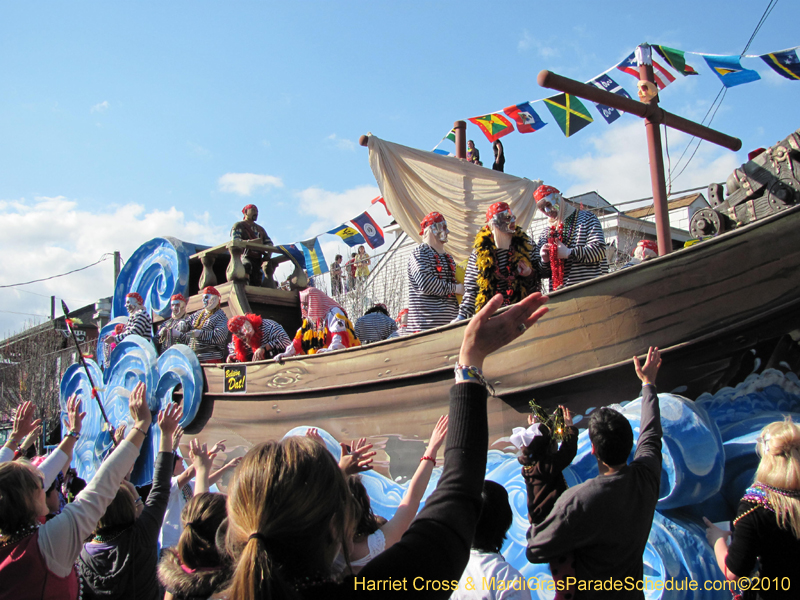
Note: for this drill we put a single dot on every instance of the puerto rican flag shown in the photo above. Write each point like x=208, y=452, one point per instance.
x=660, y=73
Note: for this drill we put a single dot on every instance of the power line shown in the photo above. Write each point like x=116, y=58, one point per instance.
x=102, y=258
x=767, y=12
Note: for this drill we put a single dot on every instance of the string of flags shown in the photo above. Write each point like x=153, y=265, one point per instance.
x=571, y=115
x=362, y=229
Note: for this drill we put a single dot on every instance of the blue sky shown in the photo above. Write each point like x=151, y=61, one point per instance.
x=123, y=121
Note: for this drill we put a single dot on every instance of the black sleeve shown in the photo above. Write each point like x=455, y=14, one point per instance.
x=149, y=522
x=436, y=546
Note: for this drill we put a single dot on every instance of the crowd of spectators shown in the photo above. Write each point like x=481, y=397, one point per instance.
x=298, y=524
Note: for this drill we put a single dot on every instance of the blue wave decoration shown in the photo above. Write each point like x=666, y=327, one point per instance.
x=133, y=360
x=156, y=270
x=107, y=329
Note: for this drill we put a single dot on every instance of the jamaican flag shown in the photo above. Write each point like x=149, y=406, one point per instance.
x=570, y=114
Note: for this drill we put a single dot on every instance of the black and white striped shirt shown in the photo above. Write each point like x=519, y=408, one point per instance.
x=374, y=327
x=210, y=344
x=273, y=335
x=170, y=331
x=588, y=243
x=139, y=323
x=431, y=293
x=467, y=308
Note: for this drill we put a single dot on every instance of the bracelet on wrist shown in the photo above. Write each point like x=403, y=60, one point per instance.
x=473, y=374
x=74, y=434
x=430, y=458
x=139, y=429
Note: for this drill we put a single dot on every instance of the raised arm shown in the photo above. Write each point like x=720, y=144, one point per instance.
x=648, y=446
x=23, y=425
x=63, y=454
x=201, y=459
x=61, y=539
x=394, y=529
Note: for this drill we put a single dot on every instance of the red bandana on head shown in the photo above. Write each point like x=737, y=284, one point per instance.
x=178, y=297
x=136, y=297
x=248, y=207
x=495, y=208
x=245, y=348
x=649, y=244
x=429, y=220
x=210, y=290
x=543, y=191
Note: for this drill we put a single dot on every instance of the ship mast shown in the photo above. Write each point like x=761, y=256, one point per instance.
x=653, y=116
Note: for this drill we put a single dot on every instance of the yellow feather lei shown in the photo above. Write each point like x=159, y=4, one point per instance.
x=486, y=262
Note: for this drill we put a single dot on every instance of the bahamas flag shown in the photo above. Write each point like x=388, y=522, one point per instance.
x=493, y=126
x=369, y=229
x=295, y=253
x=350, y=236
x=783, y=63
x=315, y=261
x=570, y=114
x=730, y=70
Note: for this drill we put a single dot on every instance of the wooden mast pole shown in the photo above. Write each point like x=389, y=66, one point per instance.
x=657, y=179
x=460, y=127
x=654, y=115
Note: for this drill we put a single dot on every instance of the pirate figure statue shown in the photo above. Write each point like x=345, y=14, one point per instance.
x=501, y=262
x=138, y=323
x=573, y=248
x=170, y=331
x=208, y=329
x=248, y=230
x=255, y=338
x=432, y=286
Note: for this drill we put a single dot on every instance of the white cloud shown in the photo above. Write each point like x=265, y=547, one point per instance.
x=100, y=107
x=618, y=166
x=245, y=183
x=527, y=41
x=334, y=208
x=341, y=143
x=49, y=236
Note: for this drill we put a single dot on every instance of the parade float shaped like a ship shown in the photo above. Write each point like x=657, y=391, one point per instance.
x=707, y=307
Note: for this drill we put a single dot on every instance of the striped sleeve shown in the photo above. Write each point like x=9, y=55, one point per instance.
x=274, y=335
x=467, y=308
x=215, y=330
x=138, y=324
x=431, y=289
x=588, y=243
x=423, y=275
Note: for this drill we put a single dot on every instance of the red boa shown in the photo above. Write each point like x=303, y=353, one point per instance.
x=244, y=348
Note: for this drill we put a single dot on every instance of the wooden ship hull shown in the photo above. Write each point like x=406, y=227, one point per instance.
x=704, y=306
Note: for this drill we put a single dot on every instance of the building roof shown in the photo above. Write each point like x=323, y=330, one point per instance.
x=682, y=202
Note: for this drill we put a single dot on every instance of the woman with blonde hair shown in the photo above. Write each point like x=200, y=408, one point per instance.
x=767, y=525
x=290, y=510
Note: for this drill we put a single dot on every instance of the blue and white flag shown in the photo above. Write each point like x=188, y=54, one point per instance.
x=604, y=82
x=730, y=71
x=295, y=253
x=369, y=229
x=784, y=63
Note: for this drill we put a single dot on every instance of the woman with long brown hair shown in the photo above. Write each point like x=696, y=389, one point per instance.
x=290, y=511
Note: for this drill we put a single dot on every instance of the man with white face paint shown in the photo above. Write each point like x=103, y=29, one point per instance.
x=432, y=286
x=208, y=329
x=139, y=321
x=255, y=338
x=573, y=248
x=501, y=262
x=169, y=332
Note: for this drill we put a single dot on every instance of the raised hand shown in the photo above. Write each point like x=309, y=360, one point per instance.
x=313, y=433
x=359, y=459
x=119, y=433
x=74, y=415
x=201, y=457
x=140, y=411
x=648, y=372
x=487, y=333
x=438, y=436
x=218, y=447
x=169, y=418
x=24, y=422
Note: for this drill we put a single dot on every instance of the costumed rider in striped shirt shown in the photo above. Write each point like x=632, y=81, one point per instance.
x=432, y=285
x=255, y=338
x=573, y=248
x=208, y=329
x=139, y=321
x=502, y=262
x=170, y=331
x=375, y=325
